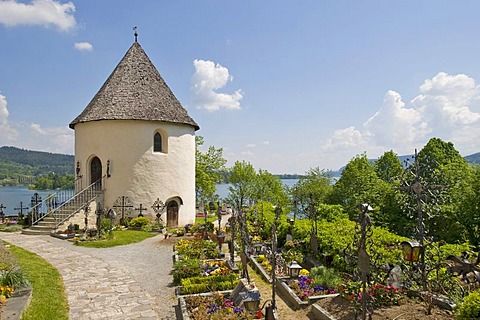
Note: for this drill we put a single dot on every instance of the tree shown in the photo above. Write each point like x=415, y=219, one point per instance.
x=388, y=167
x=209, y=168
x=310, y=192
x=242, y=179
x=267, y=187
x=469, y=207
x=358, y=184
x=444, y=177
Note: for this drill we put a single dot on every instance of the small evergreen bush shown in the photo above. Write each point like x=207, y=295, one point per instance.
x=139, y=222
x=470, y=307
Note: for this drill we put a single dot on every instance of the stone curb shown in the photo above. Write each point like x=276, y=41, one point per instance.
x=17, y=304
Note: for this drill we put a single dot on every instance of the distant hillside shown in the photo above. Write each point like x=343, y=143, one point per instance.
x=21, y=167
x=473, y=158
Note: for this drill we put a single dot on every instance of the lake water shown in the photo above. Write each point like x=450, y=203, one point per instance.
x=11, y=197
x=222, y=189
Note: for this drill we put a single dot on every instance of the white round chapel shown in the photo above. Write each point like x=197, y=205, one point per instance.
x=136, y=144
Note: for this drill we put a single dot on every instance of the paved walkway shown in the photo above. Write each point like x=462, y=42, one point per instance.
x=124, y=282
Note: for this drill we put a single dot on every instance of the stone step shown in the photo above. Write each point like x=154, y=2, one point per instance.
x=40, y=227
x=46, y=224
x=36, y=232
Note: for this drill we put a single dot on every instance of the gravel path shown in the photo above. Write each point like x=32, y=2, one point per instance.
x=123, y=282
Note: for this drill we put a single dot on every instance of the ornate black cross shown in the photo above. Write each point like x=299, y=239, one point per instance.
x=20, y=209
x=35, y=200
x=419, y=190
x=124, y=205
x=140, y=209
x=2, y=215
x=158, y=207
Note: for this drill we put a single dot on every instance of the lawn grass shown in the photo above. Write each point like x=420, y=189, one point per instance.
x=49, y=300
x=201, y=220
x=120, y=238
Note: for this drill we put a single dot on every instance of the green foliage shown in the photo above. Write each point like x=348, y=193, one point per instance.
x=53, y=181
x=326, y=277
x=208, y=284
x=241, y=178
x=106, y=227
x=186, y=269
x=14, y=278
x=333, y=238
x=49, y=300
x=310, y=193
x=24, y=167
x=470, y=307
x=197, y=249
x=468, y=207
x=359, y=183
x=388, y=167
x=139, y=222
x=267, y=187
x=209, y=168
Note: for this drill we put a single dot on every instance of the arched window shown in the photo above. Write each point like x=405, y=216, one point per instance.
x=157, y=142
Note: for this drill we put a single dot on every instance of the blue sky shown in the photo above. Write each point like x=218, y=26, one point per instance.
x=284, y=85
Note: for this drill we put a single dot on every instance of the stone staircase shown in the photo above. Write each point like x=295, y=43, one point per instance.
x=49, y=223
x=66, y=212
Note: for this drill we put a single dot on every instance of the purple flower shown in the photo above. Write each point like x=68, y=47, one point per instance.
x=212, y=308
x=237, y=310
x=302, y=278
x=318, y=288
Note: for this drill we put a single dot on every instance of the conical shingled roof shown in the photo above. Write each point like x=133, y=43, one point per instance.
x=135, y=91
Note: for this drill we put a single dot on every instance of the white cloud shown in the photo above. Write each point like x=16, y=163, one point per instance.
x=83, y=46
x=7, y=133
x=33, y=136
x=207, y=79
x=396, y=125
x=39, y=12
x=266, y=142
x=447, y=107
x=248, y=154
x=250, y=145
x=344, y=139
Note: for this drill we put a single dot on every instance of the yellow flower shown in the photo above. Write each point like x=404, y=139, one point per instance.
x=304, y=272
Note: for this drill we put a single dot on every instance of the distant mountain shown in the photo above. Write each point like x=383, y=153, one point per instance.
x=36, y=158
x=473, y=158
x=22, y=167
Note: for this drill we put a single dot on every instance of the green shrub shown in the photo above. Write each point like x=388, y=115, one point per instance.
x=325, y=277
x=197, y=249
x=14, y=278
x=207, y=284
x=186, y=269
x=106, y=227
x=139, y=222
x=470, y=307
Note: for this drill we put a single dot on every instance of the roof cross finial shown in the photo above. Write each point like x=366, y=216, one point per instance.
x=135, y=34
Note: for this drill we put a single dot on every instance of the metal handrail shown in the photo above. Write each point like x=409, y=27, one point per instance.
x=35, y=213
x=78, y=201
x=51, y=201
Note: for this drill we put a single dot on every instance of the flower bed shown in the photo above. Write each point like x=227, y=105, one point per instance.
x=196, y=249
x=221, y=304
x=261, y=265
x=204, y=284
x=304, y=288
x=197, y=276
